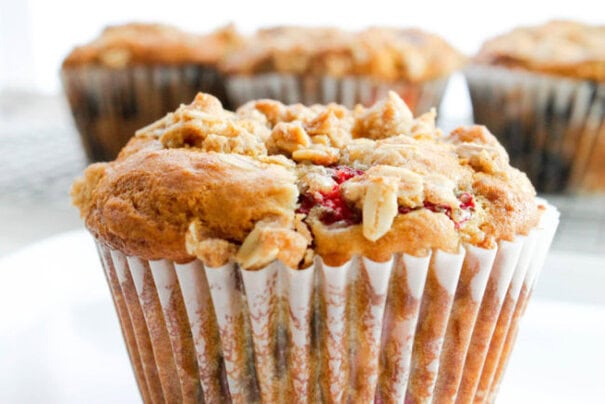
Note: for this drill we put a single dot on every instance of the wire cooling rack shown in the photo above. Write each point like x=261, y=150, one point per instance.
x=41, y=154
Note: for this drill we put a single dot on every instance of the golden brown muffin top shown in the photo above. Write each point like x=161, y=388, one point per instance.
x=562, y=48
x=272, y=181
x=384, y=53
x=139, y=43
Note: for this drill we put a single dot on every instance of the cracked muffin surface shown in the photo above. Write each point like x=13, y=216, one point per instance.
x=290, y=182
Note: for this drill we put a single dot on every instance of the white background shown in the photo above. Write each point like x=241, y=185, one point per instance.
x=35, y=35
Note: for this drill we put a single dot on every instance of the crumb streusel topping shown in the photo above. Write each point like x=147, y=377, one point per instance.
x=383, y=53
x=272, y=181
x=563, y=48
x=138, y=43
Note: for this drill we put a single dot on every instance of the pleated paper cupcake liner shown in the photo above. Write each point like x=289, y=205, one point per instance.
x=349, y=91
x=414, y=329
x=109, y=105
x=552, y=127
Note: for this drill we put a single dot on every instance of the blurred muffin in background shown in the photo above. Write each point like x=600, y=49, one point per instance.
x=541, y=90
x=135, y=73
x=323, y=65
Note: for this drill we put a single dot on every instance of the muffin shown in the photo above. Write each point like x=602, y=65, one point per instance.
x=315, y=254
x=542, y=91
x=134, y=74
x=323, y=65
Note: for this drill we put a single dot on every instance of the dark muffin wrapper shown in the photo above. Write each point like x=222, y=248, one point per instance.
x=552, y=127
x=349, y=91
x=109, y=105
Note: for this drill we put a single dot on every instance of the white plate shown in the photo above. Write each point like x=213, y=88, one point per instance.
x=60, y=340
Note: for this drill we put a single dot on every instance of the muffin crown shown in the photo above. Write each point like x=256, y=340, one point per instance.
x=563, y=48
x=272, y=181
x=383, y=53
x=139, y=43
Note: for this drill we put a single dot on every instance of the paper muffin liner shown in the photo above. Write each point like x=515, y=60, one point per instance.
x=552, y=127
x=414, y=329
x=109, y=105
x=349, y=91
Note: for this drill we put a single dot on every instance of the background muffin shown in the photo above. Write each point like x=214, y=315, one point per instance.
x=315, y=253
x=541, y=90
x=135, y=73
x=322, y=65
